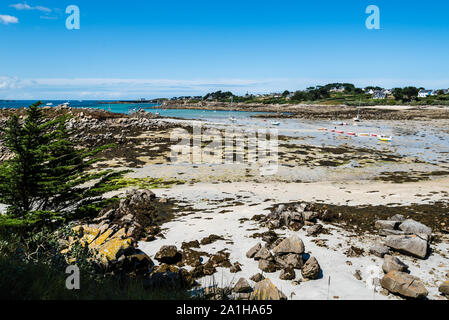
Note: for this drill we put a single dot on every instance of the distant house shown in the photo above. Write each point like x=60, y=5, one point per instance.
x=339, y=89
x=446, y=91
x=434, y=93
x=388, y=92
x=290, y=95
x=379, y=95
x=424, y=93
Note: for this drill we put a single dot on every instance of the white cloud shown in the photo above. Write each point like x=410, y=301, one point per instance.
x=7, y=83
x=5, y=19
x=25, y=6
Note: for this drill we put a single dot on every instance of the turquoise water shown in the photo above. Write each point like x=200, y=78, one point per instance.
x=149, y=107
x=95, y=104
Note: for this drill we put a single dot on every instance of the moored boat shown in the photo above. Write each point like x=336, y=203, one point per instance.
x=385, y=138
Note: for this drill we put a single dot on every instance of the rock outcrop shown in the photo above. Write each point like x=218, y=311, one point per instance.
x=311, y=269
x=444, y=288
x=393, y=264
x=111, y=249
x=403, y=284
x=242, y=286
x=413, y=227
x=290, y=245
x=379, y=250
x=409, y=244
x=266, y=290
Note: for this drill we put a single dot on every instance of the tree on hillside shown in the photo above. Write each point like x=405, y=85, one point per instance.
x=47, y=172
x=405, y=94
x=410, y=93
x=219, y=95
x=285, y=93
x=398, y=93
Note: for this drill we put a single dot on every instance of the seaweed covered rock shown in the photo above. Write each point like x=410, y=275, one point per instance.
x=169, y=276
x=168, y=255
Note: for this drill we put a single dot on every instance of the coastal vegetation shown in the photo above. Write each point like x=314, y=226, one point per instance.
x=330, y=94
x=48, y=185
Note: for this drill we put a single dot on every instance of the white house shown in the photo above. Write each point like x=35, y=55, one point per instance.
x=379, y=95
x=335, y=89
x=424, y=93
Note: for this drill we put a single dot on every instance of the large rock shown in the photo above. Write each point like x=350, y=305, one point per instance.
x=292, y=260
x=388, y=232
x=393, y=264
x=311, y=269
x=280, y=209
x=112, y=250
x=404, y=284
x=287, y=274
x=310, y=216
x=379, y=250
x=314, y=230
x=168, y=254
x=263, y=254
x=408, y=244
x=386, y=224
x=242, y=286
x=415, y=227
x=253, y=251
x=135, y=213
x=257, y=277
x=397, y=217
x=267, y=266
x=266, y=290
x=290, y=245
x=444, y=288
x=169, y=277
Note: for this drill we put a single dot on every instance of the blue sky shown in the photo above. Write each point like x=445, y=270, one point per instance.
x=144, y=48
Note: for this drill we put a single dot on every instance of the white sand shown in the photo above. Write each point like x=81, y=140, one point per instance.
x=332, y=260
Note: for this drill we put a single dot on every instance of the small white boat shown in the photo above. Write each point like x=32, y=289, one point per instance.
x=275, y=123
x=385, y=138
x=49, y=104
x=357, y=119
x=232, y=119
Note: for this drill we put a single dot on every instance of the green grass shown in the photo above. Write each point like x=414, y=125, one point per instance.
x=146, y=183
x=38, y=281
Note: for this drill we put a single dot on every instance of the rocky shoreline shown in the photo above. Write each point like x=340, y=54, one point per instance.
x=349, y=232
x=320, y=112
